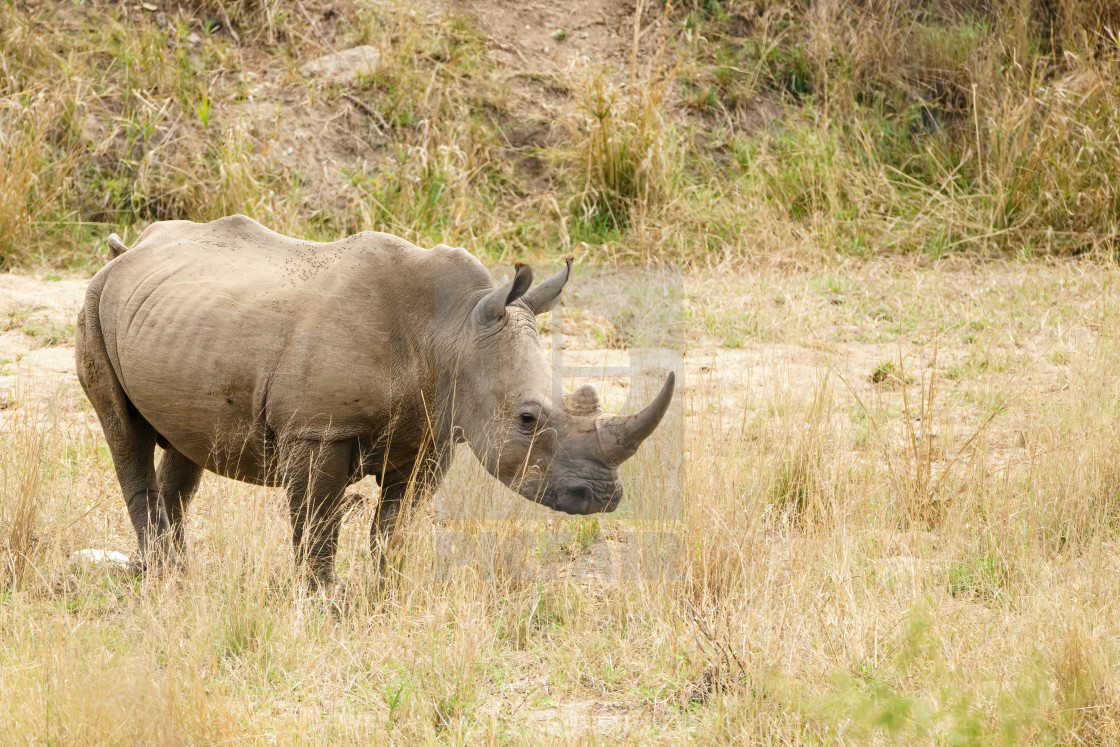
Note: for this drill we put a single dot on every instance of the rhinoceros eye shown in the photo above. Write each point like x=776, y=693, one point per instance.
x=532, y=418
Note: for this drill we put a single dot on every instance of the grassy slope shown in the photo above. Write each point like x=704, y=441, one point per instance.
x=883, y=127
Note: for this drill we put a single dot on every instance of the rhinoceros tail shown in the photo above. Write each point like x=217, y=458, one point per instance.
x=116, y=246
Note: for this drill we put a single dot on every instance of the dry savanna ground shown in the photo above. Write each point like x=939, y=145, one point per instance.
x=883, y=507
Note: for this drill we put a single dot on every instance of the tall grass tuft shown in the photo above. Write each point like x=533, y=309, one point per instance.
x=33, y=177
x=20, y=491
x=623, y=153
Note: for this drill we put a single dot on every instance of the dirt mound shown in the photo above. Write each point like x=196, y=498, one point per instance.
x=545, y=37
x=543, y=44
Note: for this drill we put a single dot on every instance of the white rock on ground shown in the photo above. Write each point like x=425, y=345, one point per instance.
x=101, y=557
x=346, y=65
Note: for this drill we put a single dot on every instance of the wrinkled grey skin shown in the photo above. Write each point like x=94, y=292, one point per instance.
x=309, y=365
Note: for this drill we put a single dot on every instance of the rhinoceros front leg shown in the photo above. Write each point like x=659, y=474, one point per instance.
x=400, y=491
x=384, y=534
x=316, y=477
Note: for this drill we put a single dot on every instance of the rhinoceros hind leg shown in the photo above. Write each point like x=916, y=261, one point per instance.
x=178, y=478
x=316, y=476
x=132, y=445
x=132, y=442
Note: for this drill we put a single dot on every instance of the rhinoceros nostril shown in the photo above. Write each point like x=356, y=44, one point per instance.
x=582, y=493
x=579, y=499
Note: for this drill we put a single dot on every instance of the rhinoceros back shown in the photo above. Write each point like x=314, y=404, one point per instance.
x=226, y=336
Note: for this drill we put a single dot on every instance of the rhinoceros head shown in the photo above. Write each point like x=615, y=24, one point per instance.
x=563, y=454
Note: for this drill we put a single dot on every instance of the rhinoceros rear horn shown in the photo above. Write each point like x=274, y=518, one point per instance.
x=546, y=295
x=493, y=305
x=620, y=436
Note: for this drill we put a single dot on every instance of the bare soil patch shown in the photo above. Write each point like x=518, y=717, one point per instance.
x=870, y=333
x=540, y=37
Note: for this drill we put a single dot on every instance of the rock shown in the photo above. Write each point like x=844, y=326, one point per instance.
x=101, y=557
x=347, y=65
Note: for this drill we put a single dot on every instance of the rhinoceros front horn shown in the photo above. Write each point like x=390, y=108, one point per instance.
x=620, y=436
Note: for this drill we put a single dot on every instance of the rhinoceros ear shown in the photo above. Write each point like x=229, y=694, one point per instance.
x=546, y=295
x=493, y=305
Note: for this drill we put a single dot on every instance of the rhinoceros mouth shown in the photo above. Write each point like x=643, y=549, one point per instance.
x=581, y=500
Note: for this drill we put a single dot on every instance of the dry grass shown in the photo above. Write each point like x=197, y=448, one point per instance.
x=892, y=513
x=31, y=183
x=849, y=562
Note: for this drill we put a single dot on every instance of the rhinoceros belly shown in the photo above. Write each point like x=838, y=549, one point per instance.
x=229, y=352
x=197, y=367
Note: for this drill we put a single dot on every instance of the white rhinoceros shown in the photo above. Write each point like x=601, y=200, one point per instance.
x=277, y=361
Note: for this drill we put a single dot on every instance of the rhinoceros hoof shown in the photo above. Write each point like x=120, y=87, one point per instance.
x=136, y=565
x=156, y=564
